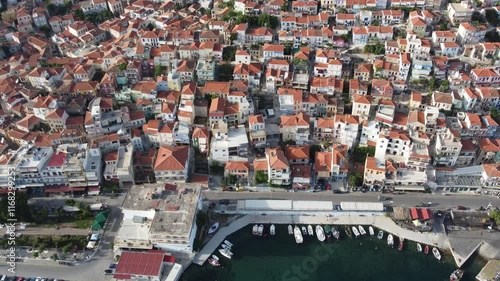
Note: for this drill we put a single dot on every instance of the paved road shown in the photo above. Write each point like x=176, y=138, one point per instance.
x=439, y=201
x=85, y=271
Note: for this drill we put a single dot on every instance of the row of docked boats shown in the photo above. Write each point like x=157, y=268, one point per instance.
x=225, y=251
x=321, y=233
x=390, y=242
x=258, y=230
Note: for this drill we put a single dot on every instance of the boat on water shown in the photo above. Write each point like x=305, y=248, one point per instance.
x=226, y=253
x=224, y=246
x=298, y=235
x=362, y=230
x=419, y=247
x=290, y=229
x=260, y=230
x=456, y=275
x=380, y=235
x=401, y=243
x=348, y=232
x=272, y=229
x=336, y=232
x=320, y=233
x=213, y=262
x=371, y=231
x=390, y=240
x=328, y=231
x=304, y=230
x=310, y=230
x=436, y=253
x=215, y=257
x=228, y=243
x=355, y=231
x=255, y=230
x=426, y=250
x=213, y=228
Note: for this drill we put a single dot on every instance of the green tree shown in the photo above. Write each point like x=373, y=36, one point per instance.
x=444, y=85
x=355, y=180
x=229, y=53
x=495, y=114
x=35, y=255
x=495, y=215
x=443, y=26
x=312, y=152
x=284, y=7
x=122, y=66
x=79, y=14
x=54, y=257
x=260, y=177
x=233, y=37
x=432, y=84
x=226, y=72
x=231, y=179
x=360, y=153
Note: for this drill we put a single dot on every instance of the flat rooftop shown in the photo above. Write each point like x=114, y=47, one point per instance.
x=490, y=271
x=175, y=207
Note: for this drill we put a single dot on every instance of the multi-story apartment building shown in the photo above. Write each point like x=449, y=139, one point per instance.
x=295, y=128
x=447, y=148
x=278, y=168
x=172, y=163
x=257, y=130
x=346, y=130
x=102, y=118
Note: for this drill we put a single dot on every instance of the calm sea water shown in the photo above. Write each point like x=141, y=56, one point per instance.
x=279, y=258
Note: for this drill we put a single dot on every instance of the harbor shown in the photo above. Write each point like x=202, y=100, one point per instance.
x=275, y=258
x=377, y=220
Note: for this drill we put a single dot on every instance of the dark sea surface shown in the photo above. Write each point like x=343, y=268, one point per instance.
x=279, y=258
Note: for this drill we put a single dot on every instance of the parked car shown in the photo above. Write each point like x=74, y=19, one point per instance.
x=108, y=271
x=461, y=208
x=113, y=265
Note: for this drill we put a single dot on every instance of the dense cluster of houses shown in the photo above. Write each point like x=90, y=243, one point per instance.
x=137, y=96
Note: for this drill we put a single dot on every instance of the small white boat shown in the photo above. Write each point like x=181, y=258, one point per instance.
x=310, y=230
x=290, y=229
x=260, y=230
x=436, y=253
x=380, y=235
x=371, y=231
x=226, y=253
x=390, y=240
x=255, y=230
x=298, y=235
x=228, y=243
x=213, y=228
x=419, y=247
x=215, y=257
x=355, y=231
x=224, y=246
x=335, y=232
x=304, y=230
x=320, y=233
x=214, y=263
x=362, y=230
x=272, y=229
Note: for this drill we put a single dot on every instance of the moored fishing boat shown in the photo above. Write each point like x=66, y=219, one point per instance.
x=328, y=231
x=371, y=231
x=401, y=243
x=272, y=229
x=419, y=247
x=380, y=235
x=456, y=275
x=260, y=230
x=355, y=231
x=310, y=230
x=224, y=246
x=390, y=240
x=226, y=253
x=304, y=230
x=336, y=232
x=255, y=230
x=298, y=235
x=320, y=233
x=290, y=229
x=361, y=230
x=348, y=232
x=213, y=228
x=213, y=262
x=436, y=253
x=228, y=243
x=426, y=250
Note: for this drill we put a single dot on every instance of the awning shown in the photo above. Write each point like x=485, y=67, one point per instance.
x=100, y=220
x=417, y=223
x=409, y=187
x=91, y=245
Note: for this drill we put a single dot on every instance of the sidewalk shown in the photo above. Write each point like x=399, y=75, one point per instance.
x=37, y=231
